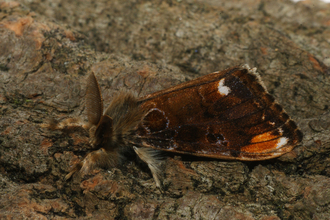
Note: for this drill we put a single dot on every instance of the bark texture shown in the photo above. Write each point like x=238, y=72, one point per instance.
x=47, y=48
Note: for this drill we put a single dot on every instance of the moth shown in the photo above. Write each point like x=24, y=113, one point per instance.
x=224, y=115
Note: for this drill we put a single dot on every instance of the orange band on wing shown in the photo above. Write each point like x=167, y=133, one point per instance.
x=264, y=137
x=267, y=146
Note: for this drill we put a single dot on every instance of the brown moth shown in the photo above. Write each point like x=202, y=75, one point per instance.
x=225, y=115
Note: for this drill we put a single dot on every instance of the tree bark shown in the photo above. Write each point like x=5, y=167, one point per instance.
x=48, y=48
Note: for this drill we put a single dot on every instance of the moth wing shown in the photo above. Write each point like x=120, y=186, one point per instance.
x=227, y=114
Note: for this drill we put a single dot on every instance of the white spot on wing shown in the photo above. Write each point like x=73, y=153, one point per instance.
x=281, y=142
x=223, y=90
x=280, y=130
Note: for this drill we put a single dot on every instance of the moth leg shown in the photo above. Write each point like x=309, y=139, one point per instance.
x=99, y=158
x=68, y=123
x=76, y=168
x=151, y=157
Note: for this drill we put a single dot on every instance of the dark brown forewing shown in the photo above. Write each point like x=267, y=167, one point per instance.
x=94, y=103
x=226, y=114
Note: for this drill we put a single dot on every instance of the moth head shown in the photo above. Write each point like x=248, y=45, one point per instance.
x=101, y=128
x=102, y=133
x=122, y=116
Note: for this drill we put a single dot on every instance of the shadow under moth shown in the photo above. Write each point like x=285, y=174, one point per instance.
x=224, y=115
